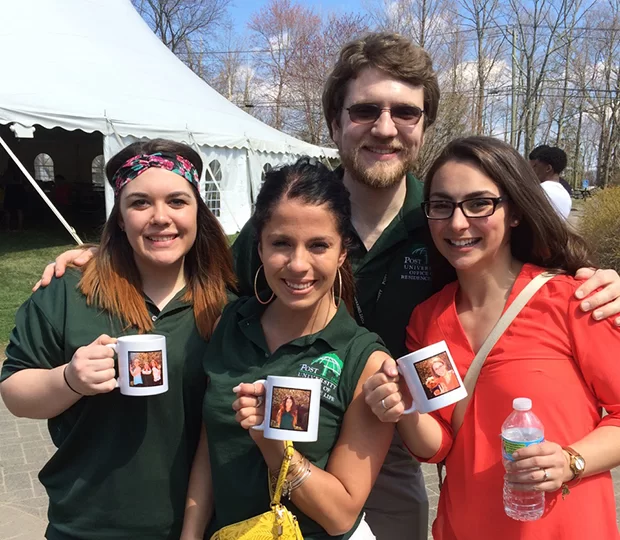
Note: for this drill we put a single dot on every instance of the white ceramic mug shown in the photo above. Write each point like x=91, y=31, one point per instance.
x=432, y=378
x=292, y=407
x=142, y=364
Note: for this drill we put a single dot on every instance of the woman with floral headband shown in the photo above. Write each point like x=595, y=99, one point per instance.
x=163, y=267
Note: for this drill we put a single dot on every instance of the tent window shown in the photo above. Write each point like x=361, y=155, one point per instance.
x=43, y=168
x=213, y=196
x=97, y=171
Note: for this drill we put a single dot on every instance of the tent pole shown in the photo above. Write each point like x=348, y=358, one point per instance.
x=32, y=181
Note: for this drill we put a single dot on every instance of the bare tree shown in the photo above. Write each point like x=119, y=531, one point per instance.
x=479, y=17
x=284, y=30
x=421, y=20
x=310, y=67
x=536, y=38
x=454, y=114
x=184, y=25
x=607, y=99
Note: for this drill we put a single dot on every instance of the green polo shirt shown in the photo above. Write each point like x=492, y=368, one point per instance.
x=391, y=279
x=238, y=353
x=122, y=463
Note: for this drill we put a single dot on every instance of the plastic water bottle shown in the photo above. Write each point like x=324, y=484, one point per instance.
x=521, y=429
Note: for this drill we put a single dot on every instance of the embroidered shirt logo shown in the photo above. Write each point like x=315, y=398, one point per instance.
x=328, y=368
x=415, y=265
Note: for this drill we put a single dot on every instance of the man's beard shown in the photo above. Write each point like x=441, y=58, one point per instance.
x=380, y=174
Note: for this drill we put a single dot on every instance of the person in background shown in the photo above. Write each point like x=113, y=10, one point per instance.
x=548, y=163
x=163, y=266
x=494, y=230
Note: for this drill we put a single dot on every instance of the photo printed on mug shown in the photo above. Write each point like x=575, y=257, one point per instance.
x=145, y=368
x=437, y=375
x=290, y=408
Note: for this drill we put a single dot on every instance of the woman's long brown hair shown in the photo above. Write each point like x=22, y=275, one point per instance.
x=111, y=279
x=542, y=237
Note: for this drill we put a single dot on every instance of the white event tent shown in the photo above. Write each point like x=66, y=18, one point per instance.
x=95, y=66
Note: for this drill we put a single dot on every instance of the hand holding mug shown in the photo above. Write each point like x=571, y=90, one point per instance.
x=142, y=364
x=382, y=392
x=91, y=370
x=290, y=411
x=249, y=405
x=420, y=389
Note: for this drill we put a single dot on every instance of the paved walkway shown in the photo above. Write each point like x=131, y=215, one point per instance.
x=25, y=447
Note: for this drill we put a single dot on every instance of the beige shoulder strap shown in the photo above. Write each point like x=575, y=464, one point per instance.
x=471, y=377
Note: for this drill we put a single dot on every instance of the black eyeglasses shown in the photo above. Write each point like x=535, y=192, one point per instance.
x=369, y=113
x=478, y=207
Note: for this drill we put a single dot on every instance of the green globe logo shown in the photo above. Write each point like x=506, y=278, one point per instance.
x=332, y=367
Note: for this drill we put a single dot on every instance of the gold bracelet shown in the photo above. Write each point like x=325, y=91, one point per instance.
x=299, y=481
x=297, y=468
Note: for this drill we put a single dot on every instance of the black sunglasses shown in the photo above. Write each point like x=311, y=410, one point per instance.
x=369, y=113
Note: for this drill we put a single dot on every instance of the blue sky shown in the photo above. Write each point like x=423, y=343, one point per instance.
x=242, y=10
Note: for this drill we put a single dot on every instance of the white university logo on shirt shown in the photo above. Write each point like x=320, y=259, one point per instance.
x=415, y=265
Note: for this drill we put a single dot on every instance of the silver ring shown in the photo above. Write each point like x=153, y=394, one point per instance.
x=383, y=404
x=546, y=477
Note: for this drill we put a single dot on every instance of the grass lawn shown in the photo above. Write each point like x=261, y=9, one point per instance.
x=23, y=255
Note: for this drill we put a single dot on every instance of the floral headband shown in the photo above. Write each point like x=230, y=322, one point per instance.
x=135, y=166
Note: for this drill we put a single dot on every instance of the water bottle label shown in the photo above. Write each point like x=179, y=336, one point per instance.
x=508, y=446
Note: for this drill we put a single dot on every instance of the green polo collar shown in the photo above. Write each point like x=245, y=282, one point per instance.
x=177, y=302
x=336, y=334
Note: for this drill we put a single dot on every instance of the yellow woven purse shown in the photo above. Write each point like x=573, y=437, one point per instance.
x=278, y=523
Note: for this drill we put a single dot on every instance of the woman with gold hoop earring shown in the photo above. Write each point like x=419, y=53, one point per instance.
x=263, y=302
x=302, y=221
x=337, y=304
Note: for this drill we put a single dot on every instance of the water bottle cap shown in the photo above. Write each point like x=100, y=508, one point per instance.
x=522, y=404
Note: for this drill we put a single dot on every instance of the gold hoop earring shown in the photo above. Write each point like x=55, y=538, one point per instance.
x=256, y=292
x=337, y=304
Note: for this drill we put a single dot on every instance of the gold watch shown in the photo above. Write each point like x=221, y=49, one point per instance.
x=577, y=464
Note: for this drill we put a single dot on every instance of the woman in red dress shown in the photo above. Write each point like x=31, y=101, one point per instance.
x=494, y=230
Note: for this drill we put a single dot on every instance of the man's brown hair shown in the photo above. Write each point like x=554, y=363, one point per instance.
x=392, y=53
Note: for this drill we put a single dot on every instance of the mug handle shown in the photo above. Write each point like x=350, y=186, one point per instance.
x=261, y=427
x=113, y=347
x=413, y=408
